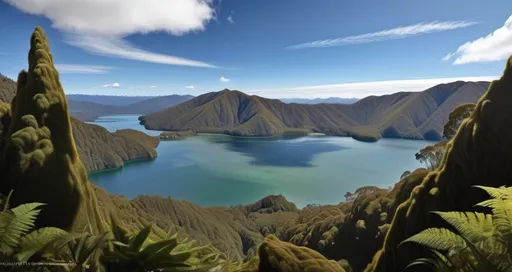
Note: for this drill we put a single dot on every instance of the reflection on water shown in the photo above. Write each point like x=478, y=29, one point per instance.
x=219, y=170
x=286, y=152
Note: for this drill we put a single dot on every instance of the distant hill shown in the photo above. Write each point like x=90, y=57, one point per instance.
x=90, y=111
x=97, y=147
x=411, y=115
x=330, y=100
x=113, y=100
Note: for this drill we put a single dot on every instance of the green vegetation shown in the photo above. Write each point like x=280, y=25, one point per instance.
x=432, y=156
x=455, y=119
x=176, y=135
x=483, y=242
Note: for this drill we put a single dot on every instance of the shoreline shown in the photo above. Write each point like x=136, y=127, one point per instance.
x=122, y=166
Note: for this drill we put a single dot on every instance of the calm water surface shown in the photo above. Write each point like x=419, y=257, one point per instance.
x=219, y=170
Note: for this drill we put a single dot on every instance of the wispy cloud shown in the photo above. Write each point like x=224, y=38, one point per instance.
x=223, y=79
x=153, y=87
x=230, y=18
x=389, y=34
x=113, y=85
x=495, y=46
x=82, y=69
x=189, y=87
x=99, y=27
x=119, y=48
x=362, y=89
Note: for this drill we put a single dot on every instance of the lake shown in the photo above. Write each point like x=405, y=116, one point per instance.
x=220, y=170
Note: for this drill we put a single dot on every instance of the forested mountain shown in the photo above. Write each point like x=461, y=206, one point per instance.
x=412, y=115
x=98, y=148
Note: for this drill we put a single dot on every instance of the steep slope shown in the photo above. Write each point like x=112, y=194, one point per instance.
x=477, y=155
x=39, y=161
x=100, y=149
x=90, y=111
x=400, y=115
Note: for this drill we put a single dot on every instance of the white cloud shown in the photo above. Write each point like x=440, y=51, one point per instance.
x=230, y=18
x=100, y=26
x=494, y=47
x=113, y=85
x=223, y=79
x=362, y=89
x=82, y=69
x=189, y=87
x=389, y=34
x=153, y=87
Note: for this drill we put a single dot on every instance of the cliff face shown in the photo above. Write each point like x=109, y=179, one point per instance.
x=401, y=115
x=97, y=148
x=39, y=160
x=477, y=155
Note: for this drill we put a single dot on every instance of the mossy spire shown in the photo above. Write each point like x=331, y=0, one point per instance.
x=40, y=161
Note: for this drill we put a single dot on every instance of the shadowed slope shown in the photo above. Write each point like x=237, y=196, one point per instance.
x=39, y=158
x=400, y=115
x=478, y=155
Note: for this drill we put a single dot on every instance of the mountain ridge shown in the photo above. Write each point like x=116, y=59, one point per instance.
x=410, y=115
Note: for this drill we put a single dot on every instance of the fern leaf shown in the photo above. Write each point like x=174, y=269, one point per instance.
x=436, y=238
x=502, y=214
x=474, y=226
x=37, y=240
x=15, y=223
x=497, y=193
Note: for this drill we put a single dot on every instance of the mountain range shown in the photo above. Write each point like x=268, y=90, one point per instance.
x=411, y=115
x=87, y=110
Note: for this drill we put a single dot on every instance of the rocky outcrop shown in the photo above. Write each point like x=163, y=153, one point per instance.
x=39, y=160
x=477, y=155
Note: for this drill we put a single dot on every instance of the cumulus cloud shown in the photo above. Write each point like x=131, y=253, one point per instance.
x=113, y=85
x=389, y=34
x=223, y=79
x=495, y=46
x=108, y=22
x=82, y=69
x=362, y=89
x=189, y=87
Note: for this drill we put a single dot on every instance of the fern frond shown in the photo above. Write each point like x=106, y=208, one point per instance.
x=502, y=214
x=474, y=226
x=436, y=238
x=497, y=193
x=15, y=223
x=37, y=240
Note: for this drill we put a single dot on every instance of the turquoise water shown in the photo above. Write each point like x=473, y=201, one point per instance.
x=219, y=170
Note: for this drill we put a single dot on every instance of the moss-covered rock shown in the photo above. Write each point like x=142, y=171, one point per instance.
x=39, y=160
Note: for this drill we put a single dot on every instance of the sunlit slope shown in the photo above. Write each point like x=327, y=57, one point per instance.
x=418, y=115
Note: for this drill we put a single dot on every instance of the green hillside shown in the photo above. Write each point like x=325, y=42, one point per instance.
x=420, y=115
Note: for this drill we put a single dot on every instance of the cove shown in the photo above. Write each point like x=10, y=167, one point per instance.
x=220, y=170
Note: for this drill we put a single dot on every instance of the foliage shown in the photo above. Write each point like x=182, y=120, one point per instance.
x=482, y=242
x=432, y=155
x=139, y=253
x=455, y=119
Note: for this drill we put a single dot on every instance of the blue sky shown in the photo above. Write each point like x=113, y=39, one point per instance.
x=285, y=48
